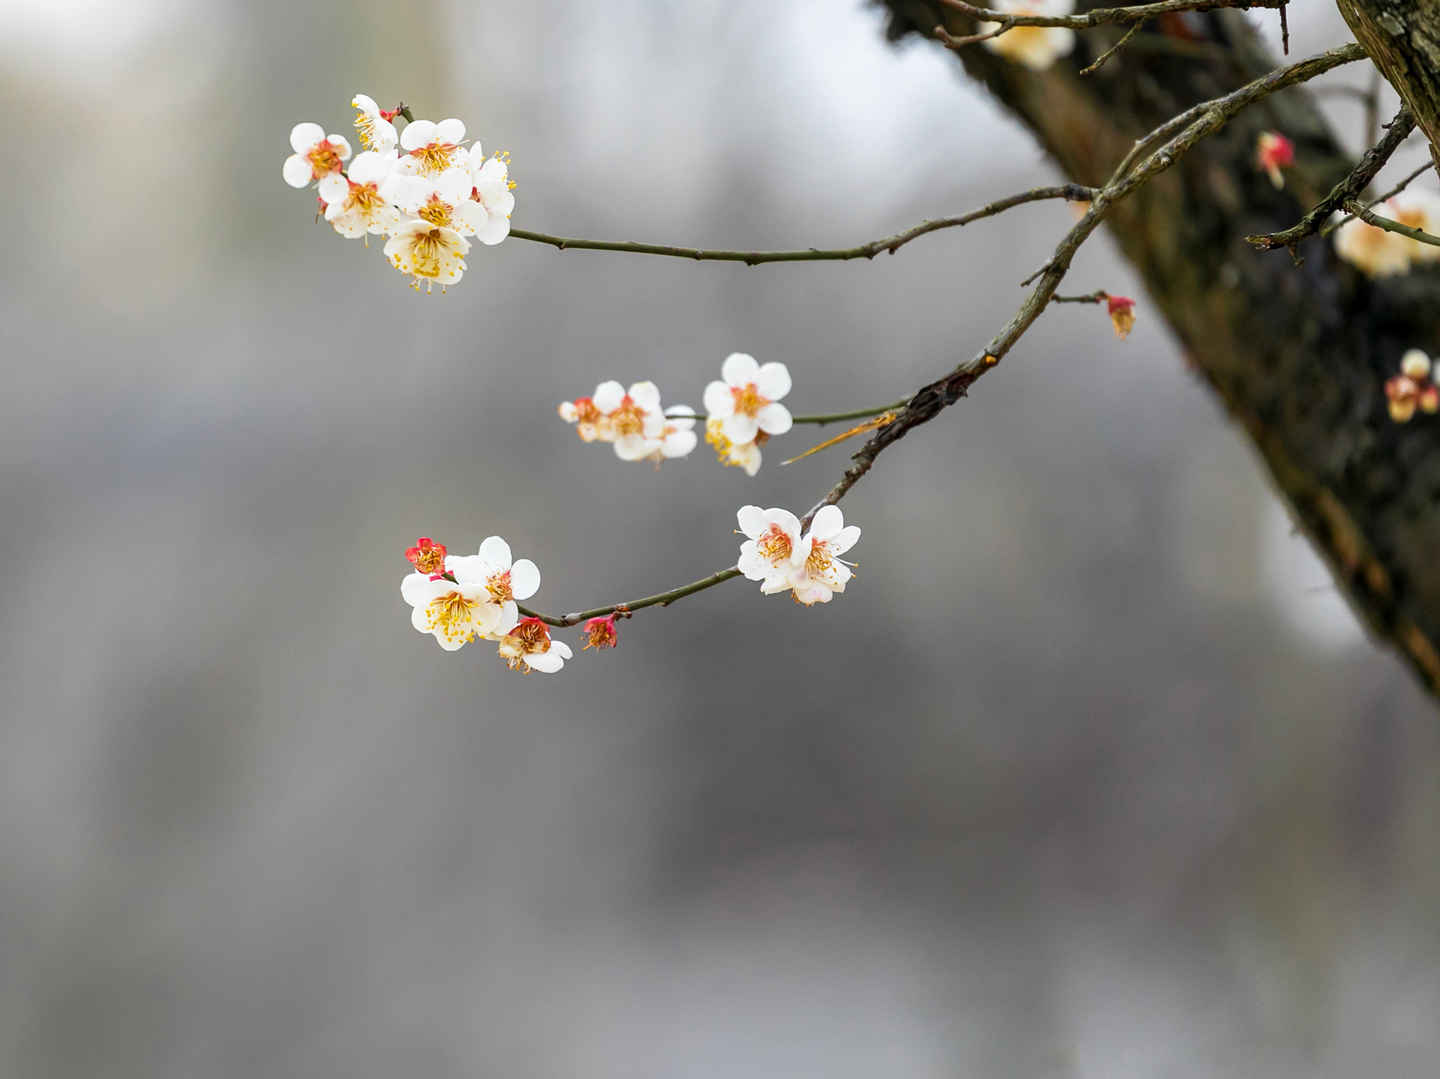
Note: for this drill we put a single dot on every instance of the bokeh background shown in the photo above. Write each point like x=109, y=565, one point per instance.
x=1091, y=773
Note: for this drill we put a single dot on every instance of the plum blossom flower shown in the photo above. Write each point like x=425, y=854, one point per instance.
x=316, y=155
x=772, y=551
x=590, y=423
x=504, y=580
x=493, y=191
x=746, y=455
x=634, y=417
x=427, y=252
x=822, y=573
x=528, y=647
x=427, y=556
x=442, y=200
x=373, y=124
x=354, y=204
x=746, y=398
x=1412, y=388
x=1376, y=252
x=1122, y=314
x=431, y=148
x=1035, y=47
x=600, y=633
x=678, y=437
x=1274, y=152
x=453, y=606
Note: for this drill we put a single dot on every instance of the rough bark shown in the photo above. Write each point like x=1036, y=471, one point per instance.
x=1403, y=38
x=1298, y=355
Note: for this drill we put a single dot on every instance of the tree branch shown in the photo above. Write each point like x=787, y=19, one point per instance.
x=1136, y=14
x=1355, y=209
x=1358, y=180
x=890, y=244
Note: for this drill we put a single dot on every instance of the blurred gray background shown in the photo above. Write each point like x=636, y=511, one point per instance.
x=1090, y=774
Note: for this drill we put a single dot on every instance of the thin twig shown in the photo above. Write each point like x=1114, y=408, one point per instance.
x=1356, y=209
x=1099, y=296
x=660, y=599
x=1090, y=69
x=1357, y=181
x=1137, y=13
x=1331, y=226
x=891, y=244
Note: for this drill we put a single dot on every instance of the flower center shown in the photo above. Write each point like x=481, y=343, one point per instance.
x=429, y=560
x=499, y=588
x=365, y=198
x=528, y=638
x=820, y=562
x=435, y=156
x=425, y=249
x=629, y=418
x=451, y=614
x=437, y=212
x=747, y=399
x=775, y=545
x=324, y=159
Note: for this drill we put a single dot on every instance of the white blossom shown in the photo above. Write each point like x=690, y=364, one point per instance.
x=427, y=252
x=443, y=199
x=431, y=148
x=746, y=397
x=528, y=647
x=376, y=132
x=492, y=189
x=1375, y=251
x=457, y=611
x=745, y=456
x=776, y=554
x=822, y=573
x=1035, y=47
x=505, y=580
x=317, y=155
x=354, y=204
x=633, y=417
x=678, y=438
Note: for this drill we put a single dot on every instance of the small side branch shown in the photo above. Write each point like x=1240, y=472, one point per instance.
x=1350, y=187
x=889, y=245
x=1419, y=235
x=660, y=599
x=1136, y=13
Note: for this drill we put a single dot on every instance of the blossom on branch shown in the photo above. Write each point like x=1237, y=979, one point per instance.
x=781, y=558
x=459, y=598
x=1412, y=388
x=355, y=205
x=506, y=580
x=317, y=155
x=1274, y=152
x=528, y=647
x=600, y=633
x=427, y=252
x=1035, y=47
x=745, y=456
x=374, y=125
x=1122, y=314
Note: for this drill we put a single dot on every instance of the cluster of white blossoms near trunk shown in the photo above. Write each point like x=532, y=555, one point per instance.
x=424, y=187
x=1381, y=253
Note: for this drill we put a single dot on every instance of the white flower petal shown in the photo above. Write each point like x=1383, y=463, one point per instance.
x=333, y=188
x=752, y=521
x=773, y=381
x=774, y=419
x=751, y=563
x=495, y=229
x=340, y=144
x=495, y=553
x=417, y=134
x=561, y=649
x=524, y=578
x=296, y=171
x=303, y=136
x=846, y=538
x=634, y=447
x=740, y=428
x=679, y=443
x=719, y=401
x=646, y=395
x=545, y=662
x=739, y=369
x=827, y=522
x=608, y=395
x=451, y=130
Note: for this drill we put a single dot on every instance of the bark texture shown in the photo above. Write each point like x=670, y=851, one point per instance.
x=1299, y=355
x=1403, y=38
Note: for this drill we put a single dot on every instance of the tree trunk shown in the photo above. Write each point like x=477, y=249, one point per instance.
x=1299, y=355
x=1403, y=38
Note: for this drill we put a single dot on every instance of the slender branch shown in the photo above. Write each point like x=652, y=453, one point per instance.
x=890, y=244
x=1136, y=13
x=1357, y=210
x=1209, y=117
x=1348, y=188
x=1099, y=296
x=1111, y=51
x=822, y=418
x=929, y=401
x=1331, y=226
x=660, y=599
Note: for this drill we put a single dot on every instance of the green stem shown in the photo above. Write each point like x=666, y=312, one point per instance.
x=1420, y=236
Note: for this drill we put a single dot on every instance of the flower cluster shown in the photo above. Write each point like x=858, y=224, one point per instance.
x=782, y=557
x=463, y=598
x=421, y=187
x=633, y=421
x=1035, y=47
x=1381, y=253
x=743, y=407
x=1412, y=388
x=1274, y=152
